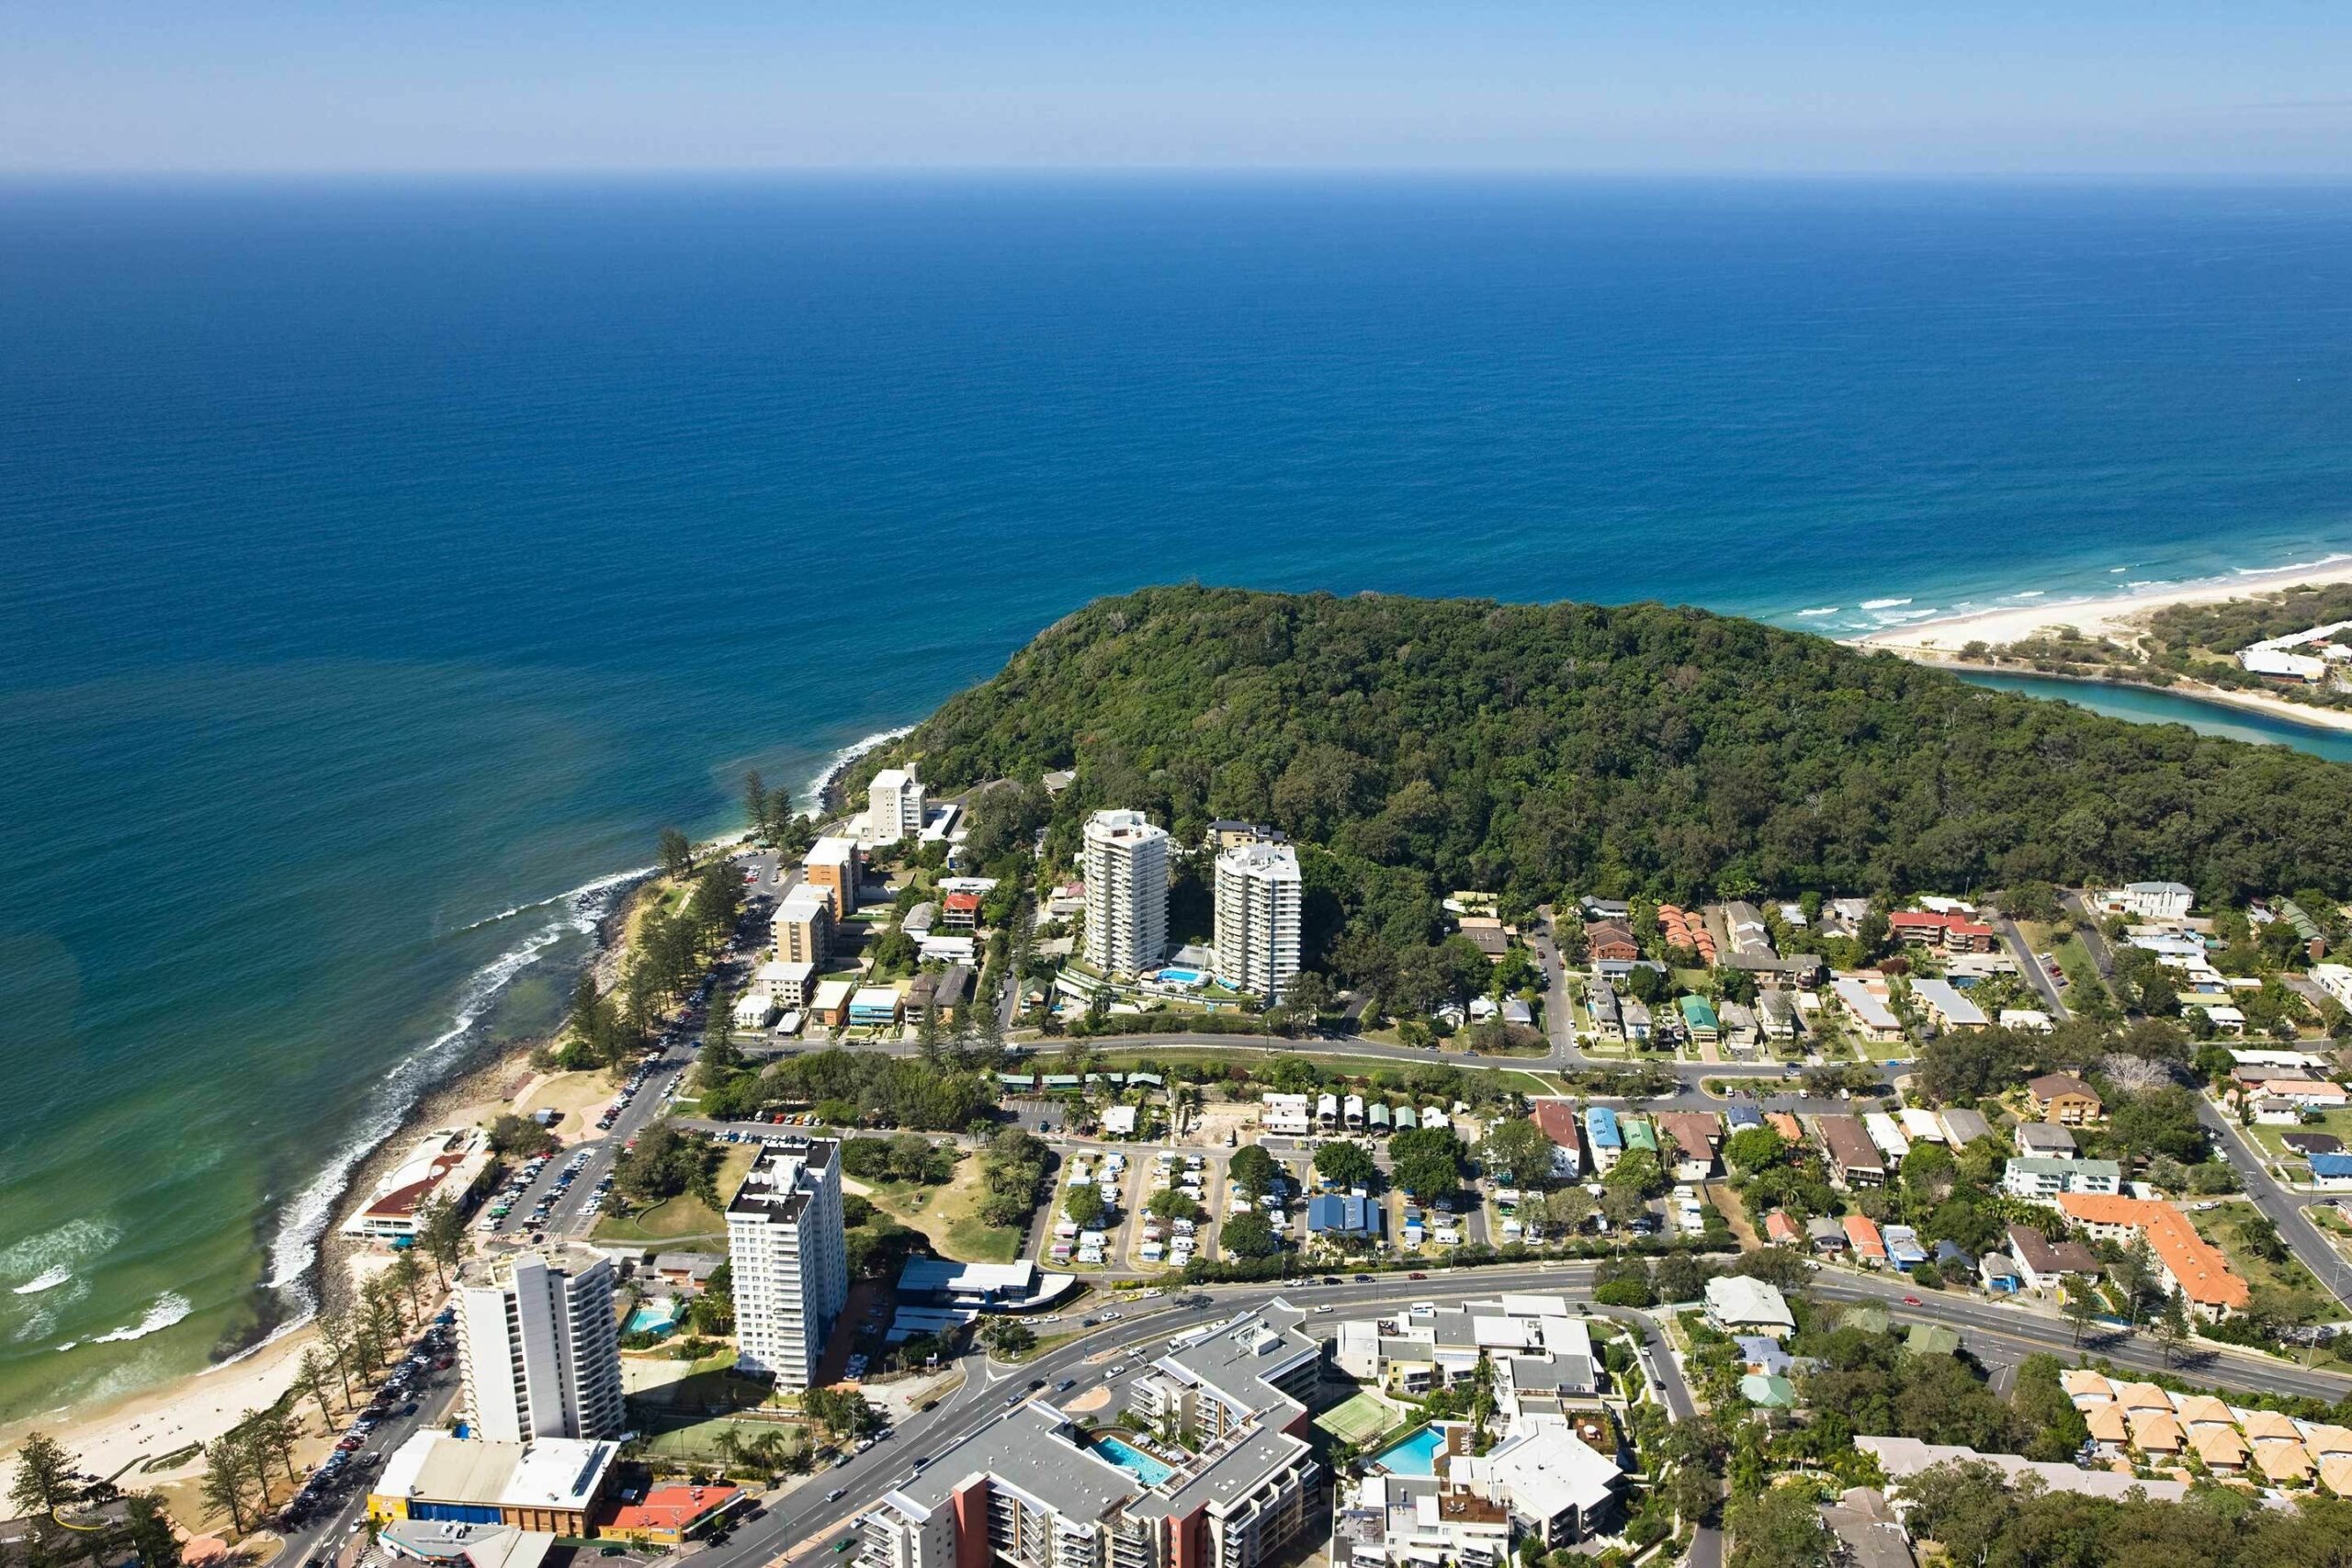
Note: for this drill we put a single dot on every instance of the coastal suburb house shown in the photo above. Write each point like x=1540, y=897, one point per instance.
x=2064, y=1099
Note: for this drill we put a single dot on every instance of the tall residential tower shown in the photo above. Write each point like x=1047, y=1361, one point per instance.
x=541, y=1353
x=790, y=1265
x=1126, y=892
x=1259, y=900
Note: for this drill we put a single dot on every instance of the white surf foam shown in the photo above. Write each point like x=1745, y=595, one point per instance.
x=1884, y=603
x=843, y=759
x=295, y=1248
x=2038, y=592
x=1821, y=610
x=47, y=1279
x=169, y=1308
x=45, y=1262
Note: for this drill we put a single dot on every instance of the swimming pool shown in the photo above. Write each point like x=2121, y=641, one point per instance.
x=1132, y=1459
x=1180, y=977
x=1416, y=1455
x=653, y=1317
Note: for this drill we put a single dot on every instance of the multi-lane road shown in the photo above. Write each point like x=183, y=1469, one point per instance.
x=800, y=1526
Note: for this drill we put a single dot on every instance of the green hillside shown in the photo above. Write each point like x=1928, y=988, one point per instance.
x=1435, y=744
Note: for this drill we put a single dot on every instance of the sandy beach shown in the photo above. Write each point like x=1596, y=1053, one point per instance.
x=2118, y=616
x=193, y=1409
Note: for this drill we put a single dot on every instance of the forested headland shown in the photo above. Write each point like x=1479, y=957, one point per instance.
x=1414, y=747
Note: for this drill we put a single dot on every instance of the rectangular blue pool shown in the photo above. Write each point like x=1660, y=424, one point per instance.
x=1415, y=1455
x=1132, y=1459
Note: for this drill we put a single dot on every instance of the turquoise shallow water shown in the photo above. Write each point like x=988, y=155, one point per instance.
x=388, y=562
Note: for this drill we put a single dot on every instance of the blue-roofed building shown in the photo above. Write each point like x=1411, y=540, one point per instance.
x=1602, y=1131
x=1903, y=1249
x=1334, y=1213
x=1742, y=1117
x=2333, y=1172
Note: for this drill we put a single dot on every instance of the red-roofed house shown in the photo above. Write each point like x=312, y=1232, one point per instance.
x=1557, y=1120
x=960, y=911
x=1862, y=1235
x=1780, y=1230
x=667, y=1515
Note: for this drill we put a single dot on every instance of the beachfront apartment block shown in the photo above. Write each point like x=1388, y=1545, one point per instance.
x=803, y=926
x=832, y=866
x=789, y=1261
x=1032, y=1490
x=894, y=806
x=1260, y=904
x=540, y=1354
x=1126, y=859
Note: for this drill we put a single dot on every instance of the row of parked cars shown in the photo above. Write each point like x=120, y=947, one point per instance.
x=394, y=1398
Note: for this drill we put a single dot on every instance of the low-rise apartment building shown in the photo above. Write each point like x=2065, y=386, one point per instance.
x=2041, y=1179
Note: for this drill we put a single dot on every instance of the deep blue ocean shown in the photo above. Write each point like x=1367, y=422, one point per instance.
x=385, y=562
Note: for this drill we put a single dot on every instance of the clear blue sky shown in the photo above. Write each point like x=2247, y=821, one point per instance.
x=2234, y=87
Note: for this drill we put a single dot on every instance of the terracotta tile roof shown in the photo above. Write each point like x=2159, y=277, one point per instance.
x=2220, y=1447
x=2080, y=1383
x=2106, y=1423
x=1863, y=1235
x=1785, y=1124
x=2138, y=1396
x=2323, y=1440
x=2199, y=1266
x=2335, y=1474
x=2156, y=1431
x=2268, y=1425
x=2283, y=1460
x=2197, y=1410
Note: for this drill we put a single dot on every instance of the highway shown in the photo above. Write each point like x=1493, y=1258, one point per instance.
x=1998, y=1334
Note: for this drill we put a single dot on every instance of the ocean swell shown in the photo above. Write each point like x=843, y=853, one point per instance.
x=304, y=1221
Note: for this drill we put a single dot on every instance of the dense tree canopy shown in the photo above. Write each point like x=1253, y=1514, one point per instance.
x=1416, y=746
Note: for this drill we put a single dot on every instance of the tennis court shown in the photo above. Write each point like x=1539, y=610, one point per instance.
x=1357, y=1419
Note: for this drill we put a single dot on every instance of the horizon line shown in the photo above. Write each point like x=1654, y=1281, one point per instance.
x=1433, y=172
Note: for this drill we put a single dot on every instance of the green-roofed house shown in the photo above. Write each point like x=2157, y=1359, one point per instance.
x=1637, y=1132
x=1700, y=1019
x=1931, y=1339
x=1769, y=1390
x=1865, y=1319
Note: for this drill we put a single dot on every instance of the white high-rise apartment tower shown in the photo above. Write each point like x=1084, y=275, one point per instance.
x=894, y=806
x=540, y=1351
x=789, y=1262
x=1126, y=892
x=1258, y=903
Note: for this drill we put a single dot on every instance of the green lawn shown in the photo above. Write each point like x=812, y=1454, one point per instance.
x=949, y=1216
x=2288, y=1282
x=2272, y=1140
x=683, y=1218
